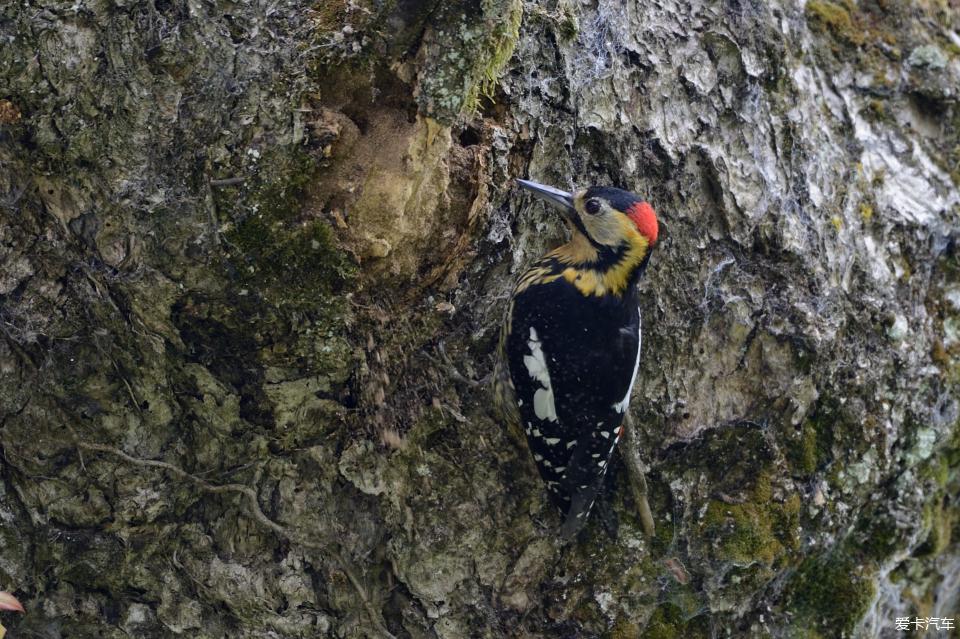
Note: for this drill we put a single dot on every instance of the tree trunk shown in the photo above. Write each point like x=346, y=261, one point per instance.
x=254, y=256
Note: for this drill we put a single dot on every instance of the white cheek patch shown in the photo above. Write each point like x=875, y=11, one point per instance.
x=536, y=363
x=621, y=406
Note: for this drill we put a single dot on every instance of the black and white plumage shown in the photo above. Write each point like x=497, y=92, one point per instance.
x=570, y=348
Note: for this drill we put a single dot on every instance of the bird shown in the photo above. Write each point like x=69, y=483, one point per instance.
x=569, y=347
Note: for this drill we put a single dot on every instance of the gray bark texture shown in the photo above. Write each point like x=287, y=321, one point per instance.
x=254, y=256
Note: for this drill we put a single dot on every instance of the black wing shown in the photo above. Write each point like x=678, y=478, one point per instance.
x=572, y=362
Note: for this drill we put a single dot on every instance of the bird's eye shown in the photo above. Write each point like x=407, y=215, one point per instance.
x=592, y=206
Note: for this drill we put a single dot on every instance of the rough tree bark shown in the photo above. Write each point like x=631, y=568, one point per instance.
x=253, y=258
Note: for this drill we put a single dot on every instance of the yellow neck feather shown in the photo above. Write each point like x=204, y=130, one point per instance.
x=595, y=279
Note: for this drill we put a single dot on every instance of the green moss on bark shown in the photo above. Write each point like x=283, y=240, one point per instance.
x=835, y=19
x=759, y=531
x=277, y=248
x=802, y=452
x=829, y=594
x=670, y=622
x=471, y=45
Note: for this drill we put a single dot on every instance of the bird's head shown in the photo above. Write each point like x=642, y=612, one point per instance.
x=607, y=216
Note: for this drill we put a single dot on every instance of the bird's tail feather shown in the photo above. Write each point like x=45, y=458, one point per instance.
x=578, y=513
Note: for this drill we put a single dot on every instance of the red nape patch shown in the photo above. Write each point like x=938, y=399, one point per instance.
x=646, y=220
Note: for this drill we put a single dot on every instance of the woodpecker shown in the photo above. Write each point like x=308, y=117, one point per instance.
x=570, y=345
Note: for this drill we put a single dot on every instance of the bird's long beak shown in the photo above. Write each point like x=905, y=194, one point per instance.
x=555, y=197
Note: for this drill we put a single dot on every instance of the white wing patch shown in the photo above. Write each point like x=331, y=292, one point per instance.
x=536, y=363
x=621, y=406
